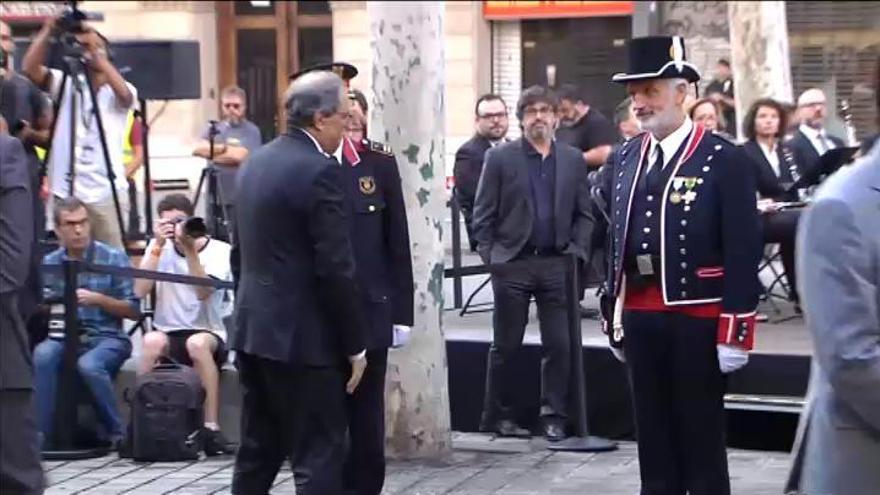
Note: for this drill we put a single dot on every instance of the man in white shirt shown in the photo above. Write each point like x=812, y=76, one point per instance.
x=811, y=139
x=115, y=97
x=188, y=320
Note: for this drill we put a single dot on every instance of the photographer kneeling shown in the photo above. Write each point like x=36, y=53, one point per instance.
x=104, y=300
x=188, y=319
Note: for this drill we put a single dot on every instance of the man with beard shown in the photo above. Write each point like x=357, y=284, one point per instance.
x=584, y=127
x=532, y=203
x=237, y=138
x=684, y=249
x=490, y=120
x=811, y=140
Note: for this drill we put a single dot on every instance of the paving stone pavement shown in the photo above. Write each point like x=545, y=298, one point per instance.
x=534, y=471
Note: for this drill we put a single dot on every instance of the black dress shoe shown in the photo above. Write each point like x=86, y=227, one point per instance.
x=554, y=431
x=214, y=443
x=507, y=428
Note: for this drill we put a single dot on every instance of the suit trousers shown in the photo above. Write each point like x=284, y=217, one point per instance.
x=678, y=393
x=782, y=227
x=291, y=412
x=513, y=289
x=364, y=471
x=20, y=468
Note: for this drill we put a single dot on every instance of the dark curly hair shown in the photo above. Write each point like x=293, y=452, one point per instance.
x=749, y=122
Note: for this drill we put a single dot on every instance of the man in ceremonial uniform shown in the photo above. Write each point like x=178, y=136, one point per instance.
x=383, y=268
x=684, y=249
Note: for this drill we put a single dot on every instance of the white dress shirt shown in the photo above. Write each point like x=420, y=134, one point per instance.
x=771, y=156
x=817, y=137
x=670, y=144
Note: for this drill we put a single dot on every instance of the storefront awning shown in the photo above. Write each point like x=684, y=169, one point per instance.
x=510, y=10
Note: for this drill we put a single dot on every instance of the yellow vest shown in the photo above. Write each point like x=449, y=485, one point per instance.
x=127, y=151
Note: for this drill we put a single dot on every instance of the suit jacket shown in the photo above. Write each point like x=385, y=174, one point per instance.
x=805, y=155
x=769, y=184
x=838, y=441
x=504, y=211
x=16, y=243
x=380, y=239
x=296, y=295
x=468, y=167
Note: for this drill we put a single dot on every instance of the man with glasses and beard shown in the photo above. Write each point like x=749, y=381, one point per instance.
x=533, y=203
x=491, y=125
x=682, y=285
x=237, y=138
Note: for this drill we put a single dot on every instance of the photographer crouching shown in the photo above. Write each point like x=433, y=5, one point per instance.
x=188, y=320
x=114, y=98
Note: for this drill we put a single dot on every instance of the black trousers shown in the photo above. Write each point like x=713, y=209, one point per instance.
x=678, y=393
x=134, y=217
x=20, y=468
x=295, y=413
x=545, y=280
x=364, y=471
x=781, y=227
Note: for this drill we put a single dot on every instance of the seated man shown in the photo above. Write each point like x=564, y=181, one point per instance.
x=188, y=319
x=104, y=300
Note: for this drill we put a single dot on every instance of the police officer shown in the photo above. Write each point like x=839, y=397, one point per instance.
x=684, y=249
x=380, y=242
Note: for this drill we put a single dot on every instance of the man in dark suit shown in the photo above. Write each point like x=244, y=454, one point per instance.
x=380, y=243
x=491, y=122
x=811, y=139
x=533, y=203
x=20, y=470
x=297, y=318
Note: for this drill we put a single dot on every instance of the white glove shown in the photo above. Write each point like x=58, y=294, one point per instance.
x=618, y=353
x=731, y=357
x=400, y=335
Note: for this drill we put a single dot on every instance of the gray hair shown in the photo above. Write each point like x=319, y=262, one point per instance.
x=313, y=93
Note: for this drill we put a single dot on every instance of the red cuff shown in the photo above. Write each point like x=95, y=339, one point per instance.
x=737, y=329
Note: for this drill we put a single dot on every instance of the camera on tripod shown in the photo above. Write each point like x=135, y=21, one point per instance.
x=71, y=23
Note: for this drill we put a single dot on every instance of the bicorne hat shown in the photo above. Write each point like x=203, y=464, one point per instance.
x=657, y=57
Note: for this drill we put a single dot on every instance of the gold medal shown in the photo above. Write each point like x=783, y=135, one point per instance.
x=675, y=198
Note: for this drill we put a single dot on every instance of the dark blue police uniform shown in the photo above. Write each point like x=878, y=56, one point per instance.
x=684, y=248
x=383, y=268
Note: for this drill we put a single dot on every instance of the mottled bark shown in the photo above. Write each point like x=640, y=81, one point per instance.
x=759, y=53
x=408, y=113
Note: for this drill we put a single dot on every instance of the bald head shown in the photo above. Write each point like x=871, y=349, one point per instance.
x=812, y=107
x=317, y=102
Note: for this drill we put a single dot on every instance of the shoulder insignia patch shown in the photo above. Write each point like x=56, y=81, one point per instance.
x=380, y=148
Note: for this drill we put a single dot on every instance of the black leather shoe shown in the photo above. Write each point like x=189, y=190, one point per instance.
x=507, y=428
x=214, y=443
x=554, y=431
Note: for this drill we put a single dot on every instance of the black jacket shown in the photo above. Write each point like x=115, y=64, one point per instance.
x=468, y=167
x=769, y=184
x=380, y=240
x=296, y=299
x=805, y=155
x=503, y=210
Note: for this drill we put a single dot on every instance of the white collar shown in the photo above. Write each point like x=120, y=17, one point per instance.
x=810, y=132
x=671, y=143
x=317, y=144
x=338, y=153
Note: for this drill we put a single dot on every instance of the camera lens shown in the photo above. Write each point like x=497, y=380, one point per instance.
x=195, y=227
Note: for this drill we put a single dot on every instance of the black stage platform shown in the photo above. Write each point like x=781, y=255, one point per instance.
x=762, y=403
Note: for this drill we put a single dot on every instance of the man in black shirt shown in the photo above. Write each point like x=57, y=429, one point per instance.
x=720, y=90
x=584, y=128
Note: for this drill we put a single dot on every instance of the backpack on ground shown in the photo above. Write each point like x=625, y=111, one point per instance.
x=166, y=414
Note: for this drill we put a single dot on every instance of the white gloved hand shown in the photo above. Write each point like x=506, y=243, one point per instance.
x=400, y=335
x=731, y=357
x=618, y=353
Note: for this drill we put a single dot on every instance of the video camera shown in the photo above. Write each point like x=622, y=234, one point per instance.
x=71, y=21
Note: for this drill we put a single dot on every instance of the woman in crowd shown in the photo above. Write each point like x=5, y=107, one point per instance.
x=775, y=171
x=705, y=111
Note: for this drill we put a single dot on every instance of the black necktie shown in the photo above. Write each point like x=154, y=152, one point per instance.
x=656, y=171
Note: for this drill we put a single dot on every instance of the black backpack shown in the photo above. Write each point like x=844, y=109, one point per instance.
x=166, y=414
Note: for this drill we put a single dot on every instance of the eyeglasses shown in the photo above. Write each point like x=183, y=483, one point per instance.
x=490, y=116
x=232, y=105
x=534, y=112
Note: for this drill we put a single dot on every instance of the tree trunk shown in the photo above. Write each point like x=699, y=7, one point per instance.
x=759, y=53
x=408, y=113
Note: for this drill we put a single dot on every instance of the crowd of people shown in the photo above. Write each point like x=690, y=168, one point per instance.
x=660, y=204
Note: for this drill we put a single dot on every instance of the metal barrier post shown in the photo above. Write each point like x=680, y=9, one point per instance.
x=582, y=442
x=456, y=254
x=62, y=444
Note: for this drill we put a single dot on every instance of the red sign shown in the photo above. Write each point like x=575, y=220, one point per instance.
x=509, y=10
x=29, y=11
